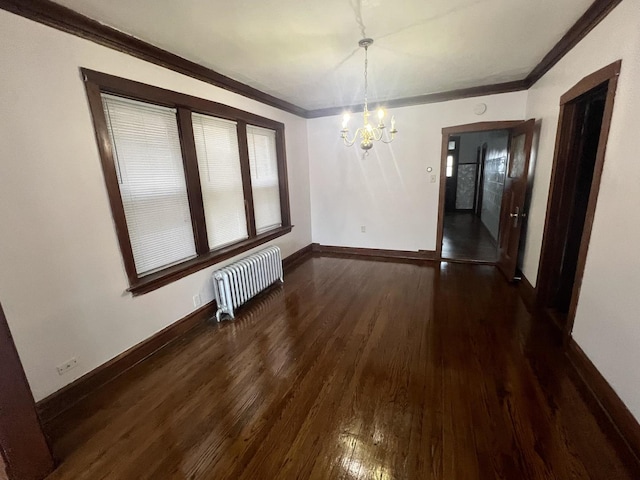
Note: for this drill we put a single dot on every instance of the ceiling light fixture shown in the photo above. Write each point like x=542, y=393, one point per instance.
x=368, y=133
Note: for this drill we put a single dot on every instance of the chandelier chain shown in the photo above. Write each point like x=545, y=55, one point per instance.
x=366, y=80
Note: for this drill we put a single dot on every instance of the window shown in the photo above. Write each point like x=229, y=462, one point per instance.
x=220, y=179
x=449, y=165
x=148, y=163
x=452, y=147
x=191, y=182
x=264, y=177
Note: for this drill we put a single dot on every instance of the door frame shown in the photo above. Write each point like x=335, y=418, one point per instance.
x=23, y=445
x=564, y=137
x=457, y=130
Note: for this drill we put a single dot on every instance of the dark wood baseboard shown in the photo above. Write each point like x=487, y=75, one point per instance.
x=606, y=402
x=527, y=292
x=374, y=253
x=467, y=261
x=60, y=401
x=296, y=258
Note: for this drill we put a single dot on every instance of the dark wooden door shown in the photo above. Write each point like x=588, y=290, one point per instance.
x=515, y=188
x=22, y=443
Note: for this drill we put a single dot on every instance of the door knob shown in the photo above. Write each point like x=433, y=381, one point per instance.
x=517, y=215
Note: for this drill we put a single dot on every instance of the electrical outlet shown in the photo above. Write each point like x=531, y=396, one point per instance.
x=433, y=179
x=66, y=366
x=363, y=229
x=197, y=301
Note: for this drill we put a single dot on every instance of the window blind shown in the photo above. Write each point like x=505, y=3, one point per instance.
x=150, y=174
x=221, y=179
x=263, y=162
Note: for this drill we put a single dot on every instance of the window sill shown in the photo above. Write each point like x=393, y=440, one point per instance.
x=159, y=279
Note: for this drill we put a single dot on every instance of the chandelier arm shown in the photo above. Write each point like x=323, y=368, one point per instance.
x=350, y=143
x=347, y=142
x=393, y=137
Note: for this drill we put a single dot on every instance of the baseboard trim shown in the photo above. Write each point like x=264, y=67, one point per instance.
x=296, y=258
x=468, y=261
x=606, y=400
x=527, y=292
x=374, y=253
x=60, y=401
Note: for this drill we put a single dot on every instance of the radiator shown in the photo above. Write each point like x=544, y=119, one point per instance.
x=235, y=284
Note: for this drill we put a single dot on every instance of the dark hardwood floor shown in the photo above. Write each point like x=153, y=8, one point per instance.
x=466, y=238
x=352, y=369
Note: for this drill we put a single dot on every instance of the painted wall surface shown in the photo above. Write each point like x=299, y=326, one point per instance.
x=390, y=191
x=62, y=282
x=606, y=323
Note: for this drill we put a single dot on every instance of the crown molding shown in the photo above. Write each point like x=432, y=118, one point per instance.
x=514, y=86
x=62, y=18
x=69, y=21
x=597, y=12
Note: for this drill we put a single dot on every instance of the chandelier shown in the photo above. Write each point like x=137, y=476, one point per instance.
x=368, y=133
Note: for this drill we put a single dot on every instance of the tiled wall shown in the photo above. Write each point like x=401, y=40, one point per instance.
x=494, y=175
x=466, y=188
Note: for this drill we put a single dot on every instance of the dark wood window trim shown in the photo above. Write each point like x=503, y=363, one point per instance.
x=97, y=83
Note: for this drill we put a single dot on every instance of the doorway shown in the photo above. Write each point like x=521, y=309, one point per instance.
x=24, y=451
x=583, y=128
x=475, y=172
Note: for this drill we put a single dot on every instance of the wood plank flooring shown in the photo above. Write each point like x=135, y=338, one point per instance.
x=465, y=237
x=353, y=369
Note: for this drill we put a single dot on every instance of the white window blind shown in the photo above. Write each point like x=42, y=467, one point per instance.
x=263, y=161
x=150, y=174
x=221, y=179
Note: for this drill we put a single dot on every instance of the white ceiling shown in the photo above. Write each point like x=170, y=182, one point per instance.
x=306, y=52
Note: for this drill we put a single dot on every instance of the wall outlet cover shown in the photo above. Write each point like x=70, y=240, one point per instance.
x=197, y=301
x=66, y=366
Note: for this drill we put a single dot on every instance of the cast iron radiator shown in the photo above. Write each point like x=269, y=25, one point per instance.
x=235, y=284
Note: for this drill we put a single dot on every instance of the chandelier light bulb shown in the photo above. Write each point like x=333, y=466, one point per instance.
x=380, y=114
x=345, y=121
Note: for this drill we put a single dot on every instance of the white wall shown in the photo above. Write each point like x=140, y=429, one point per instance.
x=389, y=192
x=606, y=325
x=62, y=282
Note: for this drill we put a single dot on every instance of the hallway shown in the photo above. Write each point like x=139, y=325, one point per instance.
x=466, y=238
x=351, y=369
